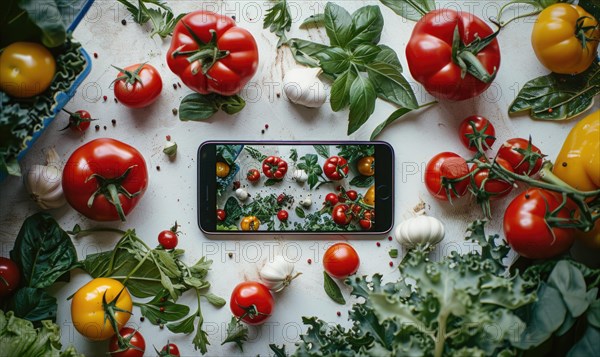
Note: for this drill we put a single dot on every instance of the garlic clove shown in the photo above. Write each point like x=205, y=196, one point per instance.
x=303, y=86
x=44, y=182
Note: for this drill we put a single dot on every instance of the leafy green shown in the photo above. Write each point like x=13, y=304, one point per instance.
x=233, y=211
x=322, y=150
x=310, y=164
x=198, y=107
x=171, y=311
x=278, y=20
x=353, y=153
x=558, y=96
x=18, y=337
x=161, y=16
x=410, y=9
x=332, y=289
x=300, y=212
x=338, y=24
x=362, y=102
x=255, y=154
x=362, y=181
x=32, y=20
x=237, y=333
x=33, y=304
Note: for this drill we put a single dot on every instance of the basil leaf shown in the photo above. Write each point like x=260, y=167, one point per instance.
x=391, y=85
x=271, y=182
x=389, y=56
x=340, y=90
x=196, y=107
x=33, y=304
x=558, y=96
x=184, y=326
x=333, y=290
x=322, y=150
x=362, y=102
x=368, y=25
x=304, y=51
x=237, y=333
x=300, y=212
x=233, y=211
x=392, y=118
x=215, y=300
x=365, y=53
x=43, y=251
x=338, y=25
x=410, y=9
x=46, y=16
x=362, y=181
x=230, y=104
x=313, y=20
x=333, y=60
x=172, y=312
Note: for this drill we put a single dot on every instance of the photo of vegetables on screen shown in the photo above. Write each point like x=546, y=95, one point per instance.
x=295, y=188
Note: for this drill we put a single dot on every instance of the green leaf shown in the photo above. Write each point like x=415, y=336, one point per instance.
x=278, y=20
x=588, y=345
x=332, y=289
x=304, y=51
x=392, y=118
x=279, y=351
x=391, y=85
x=271, y=182
x=233, y=211
x=593, y=313
x=294, y=155
x=237, y=333
x=368, y=25
x=389, y=56
x=340, y=90
x=362, y=102
x=172, y=311
x=313, y=20
x=46, y=16
x=43, y=251
x=200, y=340
x=300, y=212
x=558, y=96
x=365, y=53
x=393, y=253
x=33, y=304
x=196, y=107
x=362, y=181
x=230, y=104
x=215, y=300
x=569, y=281
x=255, y=154
x=322, y=150
x=184, y=326
x=333, y=60
x=338, y=25
x=410, y=9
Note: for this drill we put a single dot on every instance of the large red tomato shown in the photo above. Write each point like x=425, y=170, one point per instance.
x=105, y=179
x=448, y=69
x=211, y=54
x=252, y=302
x=526, y=227
x=138, y=85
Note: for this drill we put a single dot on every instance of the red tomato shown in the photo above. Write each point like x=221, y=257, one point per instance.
x=211, y=54
x=252, y=302
x=10, y=277
x=523, y=156
x=78, y=121
x=441, y=69
x=221, y=215
x=350, y=195
x=342, y=214
x=495, y=188
x=366, y=222
x=442, y=167
x=331, y=199
x=341, y=260
x=282, y=215
x=138, y=85
x=169, y=350
x=336, y=168
x=527, y=230
x=136, y=346
x=476, y=131
x=105, y=179
x=274, y=167
x=168, y=239
x=253, y=175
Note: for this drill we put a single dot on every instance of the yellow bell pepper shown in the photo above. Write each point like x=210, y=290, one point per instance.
x=565, y=38
x=250, y=223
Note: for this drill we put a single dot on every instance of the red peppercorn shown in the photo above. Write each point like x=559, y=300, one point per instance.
x=309, y=261
x=266, y=126
x=390, y=238
x=378, y=244
x=391, y=264
x=168, y=137
x=95, y=55
x=339, y=313
x=105, y=98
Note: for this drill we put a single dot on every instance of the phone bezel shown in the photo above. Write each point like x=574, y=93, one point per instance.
x=206, y=184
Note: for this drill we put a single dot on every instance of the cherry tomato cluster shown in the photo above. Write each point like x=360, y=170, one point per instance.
x=348, y=206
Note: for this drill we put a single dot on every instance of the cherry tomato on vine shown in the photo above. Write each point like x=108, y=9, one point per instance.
x=331, y=199
x=527, y=229
x=10, y=276
x=79, y=121
x=222, y=169
x=342, y=214
x=442, y=167
x=168, y=238
x=221, y=215
x=169, y=350
x=351, y=195
x=495, y=188
x=524, y=157
x=282, y=215
x=253, y=175
x=474, y=130
x=252, y=302
x=366, y=166
x=136, y=344
x=138, y=85
x=336, y=168
x=367, y=220
x=341, y=260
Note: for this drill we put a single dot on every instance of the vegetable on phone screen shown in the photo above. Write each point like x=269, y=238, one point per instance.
x=524, y=157
x=10, y=276
x=278, y=273
x=331, y=199
x=253, y=175
x=336, y=168
x=369, y=197
x=78, y=121
x=421, y=230
x=444, y=175
x=476, y=132
x=250, y=223
x=105, y=179
x=133, y=344
x=282, y=215
x=366, y=166
x=565, y=38
x=341, y=260
x=26, y=69
x=211, y=54
x=342, y=214
x=528, y=227
x=221, y=215
x=454, y=55
x=274, y=167
x=168, y=238
x=43, y=182
x=222, y=169
x=251, y=302
x=138, y=85
x=100, y=308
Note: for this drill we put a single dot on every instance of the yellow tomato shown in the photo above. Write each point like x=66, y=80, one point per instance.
x=91, y=317
x=222, y=169
x=565, y=38
x=26, y=69
x=369, y=197
x=250, y=223
x=366, y=166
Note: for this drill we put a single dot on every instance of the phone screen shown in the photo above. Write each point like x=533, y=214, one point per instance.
x=285, y=187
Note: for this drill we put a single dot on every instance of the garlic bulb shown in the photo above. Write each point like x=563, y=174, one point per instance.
x=241, y=194
x=300, y=176
x=43, y=182
x=303, y=86
x=420, y=230
x=306, y=202
x=277, y=275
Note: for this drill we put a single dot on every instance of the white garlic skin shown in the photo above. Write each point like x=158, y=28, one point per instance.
x=420, y=230
x=303, y=86
x=300, y=176
x=307, y=202
x=278, y=274
x=44, y=182
x=241, y=194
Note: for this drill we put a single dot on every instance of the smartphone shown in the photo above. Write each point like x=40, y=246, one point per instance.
x=328, y=187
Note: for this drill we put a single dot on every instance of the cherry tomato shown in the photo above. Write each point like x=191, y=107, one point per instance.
x=336, y=168
x=168, y=238
x=366, y=166
x=350, y=195
x=169, y=350
x=274, y=167
x=78, y=121
x=476, y=130
x=495, y=188
x=138, y=85
x=527, y=230
x=252, y=302
x=253, y=175
x=282, y=215
x=136, y=344
x=342, y=214
x=524, y=157
x=446, y=165
x=341, y=260
x=366, y=222
x=222, y=169
x=10, y=277
x=331, y=199
x=221, y=215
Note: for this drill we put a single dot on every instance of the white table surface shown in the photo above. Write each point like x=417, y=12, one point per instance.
x=171, y=194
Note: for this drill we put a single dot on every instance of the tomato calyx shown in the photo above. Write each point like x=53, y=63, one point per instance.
x=125, y=344
x=479, y=138
x=530, y=156
x=581, y=31
x=110, y=308
x=465, y=56
x=129, y=77
x=251, y=312
x=111, y=188
x=166, y=350
x=76, y=119
x=207, y=54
